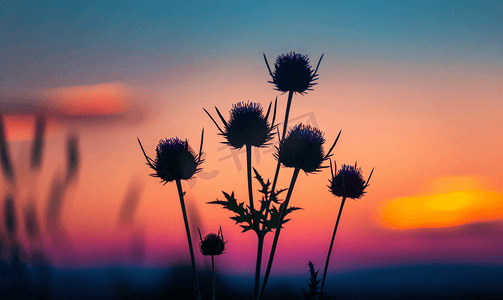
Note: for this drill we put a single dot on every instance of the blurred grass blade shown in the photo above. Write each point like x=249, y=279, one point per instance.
x=38, y=142
x=10, y=215
x=73, y=158
x=31, y=221
x=4, y=153
x=130, y=204
x=54, y=204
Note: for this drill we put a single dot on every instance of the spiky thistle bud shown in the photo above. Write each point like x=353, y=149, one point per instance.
x=348, y=182
x=303, y=149
x=212, y=244
x=247, y=125
x=293, y=73
x=175, y=160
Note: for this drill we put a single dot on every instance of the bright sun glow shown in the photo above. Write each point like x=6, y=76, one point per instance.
x=450, y=201
x=442, y=210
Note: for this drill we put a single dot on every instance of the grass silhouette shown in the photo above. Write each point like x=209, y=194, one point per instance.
x=24, y=273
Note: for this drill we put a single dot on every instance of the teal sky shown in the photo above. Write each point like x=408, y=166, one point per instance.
x=58, y=43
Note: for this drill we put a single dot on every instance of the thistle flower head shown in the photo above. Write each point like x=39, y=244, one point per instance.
x=293, y=73
x=247, y=125
x=348, y=182
x=212, y=244
x=303, y=149
x=175, y=160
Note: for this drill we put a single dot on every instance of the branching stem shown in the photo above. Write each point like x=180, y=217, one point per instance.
x=282, y=214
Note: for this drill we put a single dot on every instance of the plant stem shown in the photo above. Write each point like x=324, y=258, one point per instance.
x=288, y=105
x=258, y=265
x=282, y=214
x=255, y=222
x=285, y=125
x=213, y=285
x=331, y=244
x=250, y=189
x=180, y=194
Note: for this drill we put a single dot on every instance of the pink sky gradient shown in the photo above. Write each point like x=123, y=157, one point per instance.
x=417, y=125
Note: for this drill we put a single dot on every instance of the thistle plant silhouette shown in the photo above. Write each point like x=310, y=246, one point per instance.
x=301, y=149
x=247, y=126
x=348, y=182
x=292, y=74
x=212, y=244
x=176, y=161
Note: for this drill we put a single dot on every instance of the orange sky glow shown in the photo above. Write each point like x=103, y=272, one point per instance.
x=396, y=140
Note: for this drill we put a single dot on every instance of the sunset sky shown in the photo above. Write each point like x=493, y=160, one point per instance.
x=416, y=88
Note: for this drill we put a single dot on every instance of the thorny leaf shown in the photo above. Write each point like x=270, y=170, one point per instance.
x=267, y=195
x=244, y=214
x=265, y=186
x=263, y=204
x=274, y=196
x=313, y=286
x=231, y=204
x=246, y=228
x=272, y=223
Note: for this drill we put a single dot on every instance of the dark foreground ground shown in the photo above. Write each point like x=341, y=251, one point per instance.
x=405, y=282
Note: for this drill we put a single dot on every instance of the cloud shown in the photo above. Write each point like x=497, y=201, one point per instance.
x=488, y=230
x=98, y=99
x=103, y=103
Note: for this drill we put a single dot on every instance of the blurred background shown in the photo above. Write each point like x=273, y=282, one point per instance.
x=416, y=88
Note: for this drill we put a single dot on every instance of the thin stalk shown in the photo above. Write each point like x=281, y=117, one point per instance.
x=250, y=189
x=180, y=194
x=255, y=222
x=285, y=125
x=278, y=229
x=288, y=105
x=332, y=244
x=213, y=287
x=258, y=265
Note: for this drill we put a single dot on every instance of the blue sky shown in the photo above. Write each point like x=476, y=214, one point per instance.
x=54, y=43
